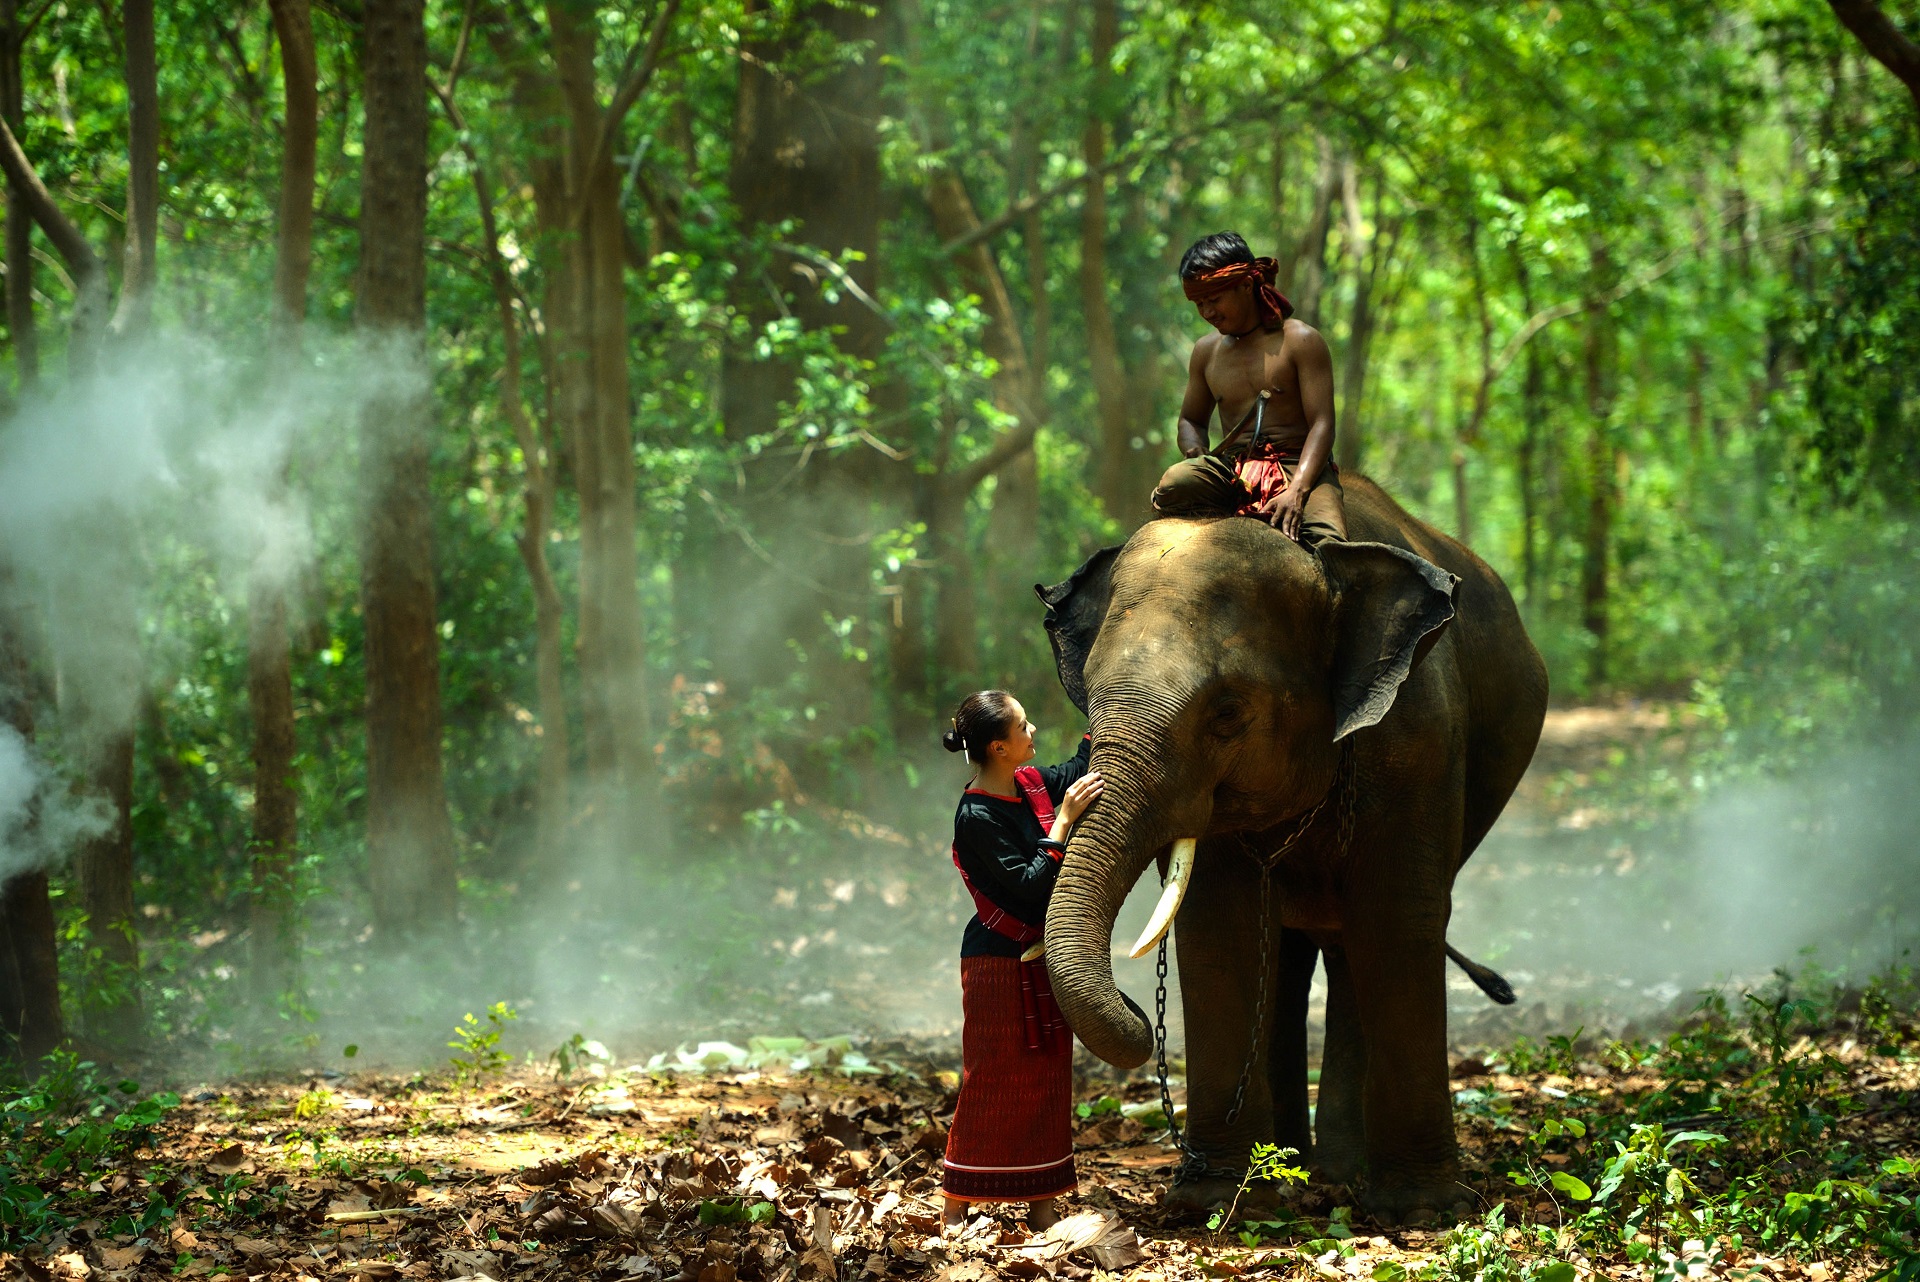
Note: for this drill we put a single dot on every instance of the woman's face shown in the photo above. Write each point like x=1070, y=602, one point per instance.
x=1017, y=748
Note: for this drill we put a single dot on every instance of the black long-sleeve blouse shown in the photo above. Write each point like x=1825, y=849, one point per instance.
x=998, y=840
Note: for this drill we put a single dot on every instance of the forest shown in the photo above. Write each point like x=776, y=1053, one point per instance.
x=498, y=501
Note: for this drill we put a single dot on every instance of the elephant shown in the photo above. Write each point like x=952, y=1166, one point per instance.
x=1354, y=718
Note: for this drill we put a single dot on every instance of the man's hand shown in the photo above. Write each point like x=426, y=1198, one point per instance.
x=1285, y=511
x=1193, y=438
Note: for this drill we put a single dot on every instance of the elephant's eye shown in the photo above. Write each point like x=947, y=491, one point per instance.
x=1230, y=717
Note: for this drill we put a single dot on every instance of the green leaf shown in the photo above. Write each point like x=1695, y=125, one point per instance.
x=1558, y=1271
x=1573, y=1186
x=1694, y=1137
x=351, y=1049
x=1389, y=1271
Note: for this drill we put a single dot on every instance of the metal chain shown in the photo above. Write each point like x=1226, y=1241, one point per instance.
x=1260, y=996
x=1193, y=1165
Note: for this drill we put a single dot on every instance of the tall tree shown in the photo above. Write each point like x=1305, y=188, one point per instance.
x=100, y=678
x=1878, y=35
x=1114, y=469
x=409, y=834
x=143, y=167
x=1596, y=545
x=31, y=1023
x=806, y=151
x=269, y=653
x=1370, y=244
x=616, y=720
x=552, y=792
x=18, y=260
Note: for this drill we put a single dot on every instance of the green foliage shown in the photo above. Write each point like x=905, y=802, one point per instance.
x=1652, y=1184
x=1484, y=1252
x=577, y=1051
x=477, y=1045
x=1266, y=1164
x=58, y=1133
x=715, y=1211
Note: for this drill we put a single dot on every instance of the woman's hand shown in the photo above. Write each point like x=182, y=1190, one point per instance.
x=1083, y=792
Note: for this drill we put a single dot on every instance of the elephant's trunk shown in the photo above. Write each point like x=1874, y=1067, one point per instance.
x=1110, y=848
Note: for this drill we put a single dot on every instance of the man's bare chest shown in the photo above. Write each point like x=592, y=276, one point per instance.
x=1236, y=377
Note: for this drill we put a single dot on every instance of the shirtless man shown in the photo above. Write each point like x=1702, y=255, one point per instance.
x=1273, y=377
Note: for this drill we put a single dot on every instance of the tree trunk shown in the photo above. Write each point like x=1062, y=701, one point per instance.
x=269, y=654
x=616, y=720
x=1370, y=254
x=1462, y=507
x=1308, y=270
x=19, y=245
x=1597, y=543
x=30, y=1019
x=1113, y=470
x=805, y=148
x=143, y=169
x=104, y=865
x=409, y=835
x=551, y=801
x=104, y=868
x=1532, y=422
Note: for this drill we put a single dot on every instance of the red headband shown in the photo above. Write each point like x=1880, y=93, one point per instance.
x=1259, y=273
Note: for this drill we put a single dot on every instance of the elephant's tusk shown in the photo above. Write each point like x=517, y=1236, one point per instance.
x=1178, y=872
x=1035, y=953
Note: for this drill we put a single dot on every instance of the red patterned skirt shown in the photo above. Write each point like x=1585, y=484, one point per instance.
x=1012, y=1135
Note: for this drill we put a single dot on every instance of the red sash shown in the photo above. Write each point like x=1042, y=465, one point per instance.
x=1046, y=1026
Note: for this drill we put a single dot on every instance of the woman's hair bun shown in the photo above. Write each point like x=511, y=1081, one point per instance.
x=982, y=720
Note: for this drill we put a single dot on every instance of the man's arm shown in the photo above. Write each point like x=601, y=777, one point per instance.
x=1196, y=407
x=1313, y=368
x=1313, y=365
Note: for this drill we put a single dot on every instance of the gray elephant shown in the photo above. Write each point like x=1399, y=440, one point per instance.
x=1353, y=720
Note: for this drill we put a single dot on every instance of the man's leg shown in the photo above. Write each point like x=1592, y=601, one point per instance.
x=1325, y=514
x=1204, y=486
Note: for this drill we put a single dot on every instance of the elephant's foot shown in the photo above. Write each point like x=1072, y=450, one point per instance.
x=1191, y=1198
x=1416, y=1202
x=1332, y=1165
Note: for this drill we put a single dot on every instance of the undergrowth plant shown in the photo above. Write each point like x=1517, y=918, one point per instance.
x=478, y=1045
x=60, y=1131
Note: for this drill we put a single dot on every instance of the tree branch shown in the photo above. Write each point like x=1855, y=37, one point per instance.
x=89, y=272
x=1120, y=160
x=642, y=62
x=1884, y=41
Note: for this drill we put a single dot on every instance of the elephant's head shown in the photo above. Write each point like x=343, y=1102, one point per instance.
x=1219, y=665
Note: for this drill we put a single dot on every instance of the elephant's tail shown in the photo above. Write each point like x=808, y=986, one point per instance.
x=1489, y=980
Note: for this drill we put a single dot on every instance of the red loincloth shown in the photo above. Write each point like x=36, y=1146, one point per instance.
x=1263, y=475
x=1012, y=1136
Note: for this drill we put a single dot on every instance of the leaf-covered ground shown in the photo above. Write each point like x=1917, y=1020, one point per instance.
x=725, y=1172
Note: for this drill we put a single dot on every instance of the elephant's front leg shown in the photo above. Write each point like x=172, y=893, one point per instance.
x=1229, y=1107
x=1396, y=957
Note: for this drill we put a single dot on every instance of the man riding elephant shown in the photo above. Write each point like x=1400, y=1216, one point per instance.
x=1316, y=742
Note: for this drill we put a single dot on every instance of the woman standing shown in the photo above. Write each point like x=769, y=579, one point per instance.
x=1012, y=1134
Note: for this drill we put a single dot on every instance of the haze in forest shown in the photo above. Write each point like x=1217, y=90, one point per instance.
x=497, y=504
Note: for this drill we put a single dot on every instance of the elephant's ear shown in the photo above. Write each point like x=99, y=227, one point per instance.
x=1389, y=608
x=1075, y=610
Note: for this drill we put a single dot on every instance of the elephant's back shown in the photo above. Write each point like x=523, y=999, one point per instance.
x=1502, y=672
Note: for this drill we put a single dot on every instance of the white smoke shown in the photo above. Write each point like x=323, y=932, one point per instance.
x=184, y=450
x=40, y=819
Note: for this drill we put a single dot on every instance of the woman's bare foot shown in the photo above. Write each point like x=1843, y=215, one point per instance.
x=956, y=1212
x=1043, y=1215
